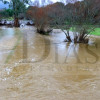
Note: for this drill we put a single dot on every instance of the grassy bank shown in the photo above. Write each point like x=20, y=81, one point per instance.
x=8, y=19
x=96, y=32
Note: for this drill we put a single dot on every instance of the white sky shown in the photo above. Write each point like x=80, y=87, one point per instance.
x=7, y=6
x=64, y=1
x=40, y=0
x=51, y=0
x=54, y=0
x=46, y=1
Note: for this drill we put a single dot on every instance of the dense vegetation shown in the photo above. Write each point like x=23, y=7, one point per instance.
x=17, y=10
x=6, y=13
x=81, y=16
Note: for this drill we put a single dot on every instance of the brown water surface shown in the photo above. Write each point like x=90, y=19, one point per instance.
x=38, y=67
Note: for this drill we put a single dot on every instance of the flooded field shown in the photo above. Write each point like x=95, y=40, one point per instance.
x=38, y=67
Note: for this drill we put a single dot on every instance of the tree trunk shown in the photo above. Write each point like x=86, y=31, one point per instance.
x=69, y=38
x=68, y=32
x=43, y=30
x=16, y=22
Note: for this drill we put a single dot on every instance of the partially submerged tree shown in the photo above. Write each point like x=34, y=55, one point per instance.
x=78, y=15
x=81, y=17
x=41, y=18
x=18, y=7
x=59, y=16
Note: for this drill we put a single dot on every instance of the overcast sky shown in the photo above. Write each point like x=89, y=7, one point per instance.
x=53, y=1
x=3, y=5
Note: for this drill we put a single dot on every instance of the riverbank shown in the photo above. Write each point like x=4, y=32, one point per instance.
x=96, y=32
x=10, y=23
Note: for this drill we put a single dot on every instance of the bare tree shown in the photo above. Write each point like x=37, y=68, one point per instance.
x=40, y=16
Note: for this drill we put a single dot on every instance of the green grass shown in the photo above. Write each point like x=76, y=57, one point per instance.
x=96, y=31
x=8, y=18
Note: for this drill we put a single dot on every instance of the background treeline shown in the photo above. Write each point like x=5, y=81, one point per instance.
x=81, y=16
x=86, y=12
x=6, y=13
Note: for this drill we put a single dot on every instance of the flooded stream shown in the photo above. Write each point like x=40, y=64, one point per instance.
x=38, y=67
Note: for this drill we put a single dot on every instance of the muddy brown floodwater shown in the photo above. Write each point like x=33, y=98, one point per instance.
x=38, y=67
